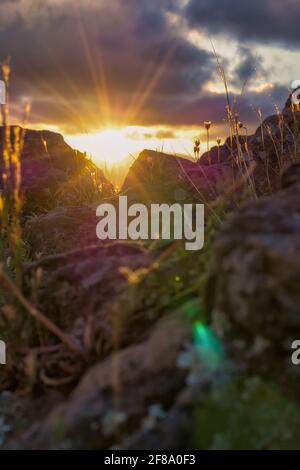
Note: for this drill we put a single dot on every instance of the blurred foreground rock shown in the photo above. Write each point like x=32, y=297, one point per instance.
x=258, y=258
x=61, y=229
x=86, y=290
x=256, y=279
x=55, y=174
x=114, y=396
x=159, y=177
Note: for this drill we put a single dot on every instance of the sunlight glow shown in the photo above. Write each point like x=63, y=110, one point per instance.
x=113, y=145
x=264, y=87
x=109, y=145
x=208, y=345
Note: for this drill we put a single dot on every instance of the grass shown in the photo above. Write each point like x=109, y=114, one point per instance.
x=12, y=248
x=19, y=317
x=176, y=280
x=246, y=414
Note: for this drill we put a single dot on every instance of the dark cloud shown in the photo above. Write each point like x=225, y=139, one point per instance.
x=256, y=20
x=87, y=62
x=99, y=60
x=213, y=107
x=164, y=134
x=250, y=67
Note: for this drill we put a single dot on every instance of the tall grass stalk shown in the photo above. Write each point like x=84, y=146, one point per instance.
x=10, y=188
x=234, y=126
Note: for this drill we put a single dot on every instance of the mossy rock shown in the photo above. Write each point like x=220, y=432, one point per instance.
x=247, y=415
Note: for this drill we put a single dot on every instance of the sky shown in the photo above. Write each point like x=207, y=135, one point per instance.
x=115, y=76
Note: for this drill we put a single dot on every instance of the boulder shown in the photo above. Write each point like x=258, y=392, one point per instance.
x=88, y=291
x=114, y=395
x=61, y=229
x=255, y=282
x=275, y=139
x=159, y=177
x=52, y=173
x=227, y=151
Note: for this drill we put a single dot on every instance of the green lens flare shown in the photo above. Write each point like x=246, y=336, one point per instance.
x=208, y=346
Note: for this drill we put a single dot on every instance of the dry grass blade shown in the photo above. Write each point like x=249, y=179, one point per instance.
x=236, y=186
x=35, y=313
x=55, y=382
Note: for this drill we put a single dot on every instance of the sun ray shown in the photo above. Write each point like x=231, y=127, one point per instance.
x=134, y=110
x=100, y=83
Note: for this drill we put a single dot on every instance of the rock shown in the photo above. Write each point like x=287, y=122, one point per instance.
x=130, y=380
x=85, y=283
x=61, y=229
x=19, y=411
x=226, y=151
x=47, y=145
x=159, y=177
x=170, y=434
x=274, y=140
x=54, y=174
x=92, y=294
x=258, y=251
x=174, y=431
x=255, y=282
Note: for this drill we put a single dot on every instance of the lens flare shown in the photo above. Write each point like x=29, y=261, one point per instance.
x=208, y=346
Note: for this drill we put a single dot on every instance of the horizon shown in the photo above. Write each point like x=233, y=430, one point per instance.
x=149, y=227
x=68, y=63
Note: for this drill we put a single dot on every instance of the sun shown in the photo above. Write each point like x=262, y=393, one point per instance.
x=110, y=145
x=113, y=146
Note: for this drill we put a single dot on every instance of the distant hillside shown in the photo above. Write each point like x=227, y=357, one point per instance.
x=50, y=167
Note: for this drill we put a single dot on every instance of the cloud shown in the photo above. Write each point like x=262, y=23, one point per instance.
x=266, y=21
x=249, y=68
x=89, y=62
x=212, y=106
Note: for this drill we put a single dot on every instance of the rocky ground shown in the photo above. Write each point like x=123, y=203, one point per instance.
x=174, y=350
